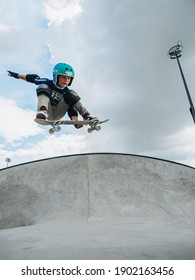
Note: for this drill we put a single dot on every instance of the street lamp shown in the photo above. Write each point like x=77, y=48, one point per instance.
x=175, y=52
x=8, y=160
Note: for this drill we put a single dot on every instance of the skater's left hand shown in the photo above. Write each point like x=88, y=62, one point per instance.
x=78, y=126
x=12, y=74
x=75, y=118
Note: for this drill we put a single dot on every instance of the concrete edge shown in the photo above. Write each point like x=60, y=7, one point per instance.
x=100, y=153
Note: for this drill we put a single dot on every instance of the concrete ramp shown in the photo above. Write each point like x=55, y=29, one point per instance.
x=97, y=206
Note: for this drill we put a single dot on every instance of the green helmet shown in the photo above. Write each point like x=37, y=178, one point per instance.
x=63, y=69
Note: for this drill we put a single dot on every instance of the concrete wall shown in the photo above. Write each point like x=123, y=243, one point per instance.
x=97, y=185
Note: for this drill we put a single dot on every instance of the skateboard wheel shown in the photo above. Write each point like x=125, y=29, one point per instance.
x=51, y=130
x=58, y=128
x=98, y=128
x=89, y=129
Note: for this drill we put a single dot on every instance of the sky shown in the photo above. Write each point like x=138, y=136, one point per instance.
x=118, y=50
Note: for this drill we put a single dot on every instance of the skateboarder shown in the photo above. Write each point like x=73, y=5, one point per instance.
x=54, y=96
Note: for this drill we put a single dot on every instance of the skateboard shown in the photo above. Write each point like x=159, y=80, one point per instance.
x=56, y=124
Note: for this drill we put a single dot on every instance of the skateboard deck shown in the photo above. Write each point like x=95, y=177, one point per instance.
x=55, y=124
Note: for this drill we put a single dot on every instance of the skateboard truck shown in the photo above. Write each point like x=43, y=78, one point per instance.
x=94, y=126
x=54, y=128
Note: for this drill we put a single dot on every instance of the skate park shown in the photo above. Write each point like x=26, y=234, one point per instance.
x=97, y=206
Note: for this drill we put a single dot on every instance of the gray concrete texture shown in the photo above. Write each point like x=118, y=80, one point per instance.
x=97, y=206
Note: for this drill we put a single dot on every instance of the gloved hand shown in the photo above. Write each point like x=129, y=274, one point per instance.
x=12, y=74
x=78, y=126
x=75, y=118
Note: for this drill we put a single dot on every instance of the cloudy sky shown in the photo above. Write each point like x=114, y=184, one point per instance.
x=119, y=52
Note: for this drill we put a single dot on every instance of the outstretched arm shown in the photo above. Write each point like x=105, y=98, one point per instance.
x=29, y=77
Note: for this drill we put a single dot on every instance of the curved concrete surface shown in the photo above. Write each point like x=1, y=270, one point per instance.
x=97, y=206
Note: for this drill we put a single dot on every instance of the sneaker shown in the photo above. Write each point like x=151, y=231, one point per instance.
x=42, y=114
x=88, y=117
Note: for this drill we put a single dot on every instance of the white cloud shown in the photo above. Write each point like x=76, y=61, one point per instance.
x=17, y=123
x=51, y=146
x=5, y=28
x=57, y=11
x=56, y=145
x=178, y=147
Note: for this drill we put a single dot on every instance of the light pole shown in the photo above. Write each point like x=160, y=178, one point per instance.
x=8, y=160
x=174, y=53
